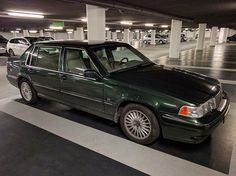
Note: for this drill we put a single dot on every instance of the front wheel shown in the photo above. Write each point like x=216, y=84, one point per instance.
x=28, y=93
x=139, y=124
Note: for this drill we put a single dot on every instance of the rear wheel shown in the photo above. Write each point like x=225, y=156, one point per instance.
x=11, y=53
x=139, y=124
x=28, y=93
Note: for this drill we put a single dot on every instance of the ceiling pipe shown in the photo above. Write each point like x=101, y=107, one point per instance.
x=123, y=6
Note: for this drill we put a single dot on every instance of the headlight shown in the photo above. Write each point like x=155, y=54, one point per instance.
x=198, y=111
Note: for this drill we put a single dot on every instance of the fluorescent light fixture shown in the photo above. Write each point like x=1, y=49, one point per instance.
x=84, y=19
x=107, y=29
x=15, y=32
x=149, y=24
x=150, y=30
x=56, y=27
x=33, y=31
x=28, y=15
x=186, y=29
x=164, y=26
x=18, y=29
x=137, y=30
x=85, y=30
x=118, y=31
x=48, y=29
x=126, y=22
x=69, y=30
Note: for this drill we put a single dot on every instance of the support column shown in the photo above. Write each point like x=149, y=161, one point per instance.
x=141, y=36
x=137, y=35
x=108, y=35
x=26, y=33
x=223, y=34
x=131, y=36
x=175, y=35
x=153, y=37
x=114, y=36
x=41, y=33
x=96, y=17
x=201, y=36
x=226, y=35
x=213, y=36
x=126, y=36
x=14, y=33
x=79, y=33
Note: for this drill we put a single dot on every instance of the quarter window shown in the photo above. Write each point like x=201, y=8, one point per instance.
x=48, y=57
x=77, y=60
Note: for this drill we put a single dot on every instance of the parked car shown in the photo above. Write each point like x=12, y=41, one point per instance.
x=160, y=39
x=18, y=45
x=231, y=38
x=115, y=81
x=3, y=43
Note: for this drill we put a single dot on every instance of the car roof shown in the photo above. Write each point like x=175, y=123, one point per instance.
x=76, y=43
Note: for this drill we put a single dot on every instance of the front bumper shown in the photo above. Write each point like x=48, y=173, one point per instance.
x=195, y=131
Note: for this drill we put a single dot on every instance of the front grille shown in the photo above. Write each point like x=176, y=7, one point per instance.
x=218, y=98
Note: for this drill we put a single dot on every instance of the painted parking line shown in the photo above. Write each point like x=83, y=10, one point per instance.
x=203, y=68
x=137, y=156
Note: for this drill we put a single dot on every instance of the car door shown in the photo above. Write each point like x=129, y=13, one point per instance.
x=84, y=93
x=14, y=46
x=42, y=70
x=23, y=44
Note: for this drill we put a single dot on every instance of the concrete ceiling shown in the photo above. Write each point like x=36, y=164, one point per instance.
x=213, y=12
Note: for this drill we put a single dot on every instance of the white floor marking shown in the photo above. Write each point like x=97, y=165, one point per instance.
x=137, y=156
x=203, y=68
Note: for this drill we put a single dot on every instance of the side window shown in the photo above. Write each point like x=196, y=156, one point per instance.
x=22, y=41
x=77, y=60
x=12, y=41
x=25, y=56
x=48, y=57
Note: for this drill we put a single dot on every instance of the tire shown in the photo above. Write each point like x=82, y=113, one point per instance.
x=27, y=92
x=129, y=123
x=11, y=53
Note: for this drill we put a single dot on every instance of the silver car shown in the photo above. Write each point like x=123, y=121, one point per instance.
x=160, y=39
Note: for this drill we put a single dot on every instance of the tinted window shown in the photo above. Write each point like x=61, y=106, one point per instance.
x=76, y=61
x=34, y=56
x=13, y=40
x=48, y=57
x=22, y=41
x=25, y=55
x=32, y=39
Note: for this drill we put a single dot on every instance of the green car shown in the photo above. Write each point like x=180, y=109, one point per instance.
x=115, y=81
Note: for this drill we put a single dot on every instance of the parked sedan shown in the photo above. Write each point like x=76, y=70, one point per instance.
x=115, y=81
x=3, y=43
x=159, y=39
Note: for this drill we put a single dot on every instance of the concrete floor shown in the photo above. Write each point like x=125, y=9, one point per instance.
x=58, y=140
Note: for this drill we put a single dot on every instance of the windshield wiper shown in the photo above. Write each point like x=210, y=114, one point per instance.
x=133, y=67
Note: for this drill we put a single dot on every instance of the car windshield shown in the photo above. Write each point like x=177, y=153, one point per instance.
x=120, y=58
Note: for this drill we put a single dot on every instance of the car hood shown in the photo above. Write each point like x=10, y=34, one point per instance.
x=192, y=87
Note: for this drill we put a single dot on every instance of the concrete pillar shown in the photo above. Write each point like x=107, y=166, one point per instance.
x=223, y=34
x=126, y=36
x=201, y=36
x=114, y=36
x=226, y=34
x=175, y=36
x=41, y=33
x=131, y=36
x=213, y=36
x=14, y=33
x=153, y=37
x=79, y=33
x=137, y=35
x=109, y=35
x=26, y=33
x=96, y=23
x=141, y=36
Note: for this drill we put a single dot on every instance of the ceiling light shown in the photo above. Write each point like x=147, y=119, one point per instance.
x=84, y=19
x=28, y=15
x=85, y=30
x=48, y=29
x=118, y=31
x=126, y=22
x=18, y=29
x=107, y=29
x=149, y=24
x=164, y=26
x=33, y=31
x=69, y=30
x=56, y=27
x=15, y=32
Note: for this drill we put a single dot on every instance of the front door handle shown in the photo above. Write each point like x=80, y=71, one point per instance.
x=63, y=77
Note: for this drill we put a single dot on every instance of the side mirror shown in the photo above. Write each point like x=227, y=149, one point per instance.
x=93, y=74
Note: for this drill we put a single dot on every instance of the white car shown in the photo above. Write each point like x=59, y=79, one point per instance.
x=17, y=46
x=3, y=43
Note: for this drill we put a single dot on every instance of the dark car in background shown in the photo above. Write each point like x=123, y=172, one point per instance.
x=231, y=38
x=115, y=81
x=3, y=44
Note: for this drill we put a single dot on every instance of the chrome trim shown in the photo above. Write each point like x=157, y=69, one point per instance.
x=222, y=105
x=82, y=96
x=46, y=87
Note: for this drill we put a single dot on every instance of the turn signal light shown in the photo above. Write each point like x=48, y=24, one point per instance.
x=183, y=111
